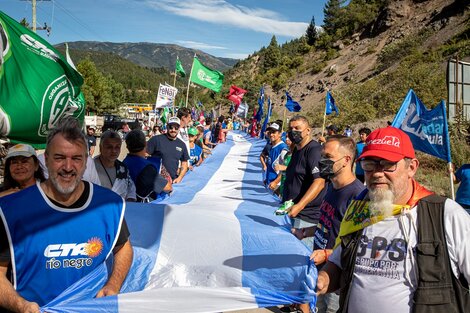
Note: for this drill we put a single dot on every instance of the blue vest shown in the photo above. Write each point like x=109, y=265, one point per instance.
x=52, y=247
x=273, y=157
x=136, y=164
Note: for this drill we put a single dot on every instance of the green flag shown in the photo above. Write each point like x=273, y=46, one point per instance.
x=38, y=86
x=179, y=68
x=164, y=116
x=206, y=77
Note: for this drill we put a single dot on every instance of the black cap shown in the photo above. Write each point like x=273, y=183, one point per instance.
x=333, y=128
x=135, y=141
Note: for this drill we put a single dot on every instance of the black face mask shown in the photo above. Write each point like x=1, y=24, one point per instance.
x=295, y=136
x=326, y=168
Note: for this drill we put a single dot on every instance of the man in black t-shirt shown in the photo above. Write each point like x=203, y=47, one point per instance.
x=303, y=183
x=170, y=150
x=91, y=140
x=336, y=165
x=61, y=203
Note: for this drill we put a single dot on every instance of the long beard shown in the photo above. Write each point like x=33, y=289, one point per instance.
x=381, y=202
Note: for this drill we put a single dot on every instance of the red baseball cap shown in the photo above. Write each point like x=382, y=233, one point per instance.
x=388, y=143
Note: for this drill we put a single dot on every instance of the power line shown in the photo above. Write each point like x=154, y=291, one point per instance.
x=78, y=21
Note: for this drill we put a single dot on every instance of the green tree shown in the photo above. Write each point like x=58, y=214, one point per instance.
x=332, y=15
x=96, y=86
x=311, y=33
x=272, y=54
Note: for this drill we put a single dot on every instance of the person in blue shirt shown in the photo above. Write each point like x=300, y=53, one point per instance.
x=195, y=152
x=275, y=156
x=363, y=133
x=462, y=176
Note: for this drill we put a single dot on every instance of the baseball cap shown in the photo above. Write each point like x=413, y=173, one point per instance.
x=193, y=131
x=174, y=120
x=274, y=126
x=333, y=128
x=388, y=143
x=20, y=150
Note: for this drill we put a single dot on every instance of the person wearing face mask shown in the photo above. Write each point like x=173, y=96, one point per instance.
x=303, y=183
x=400, y=247
x=336, y=166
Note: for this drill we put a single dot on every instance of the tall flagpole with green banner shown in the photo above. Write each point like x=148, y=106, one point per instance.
x=178, y=70
x=204, y=76
x=38, y=85
x=189, y=82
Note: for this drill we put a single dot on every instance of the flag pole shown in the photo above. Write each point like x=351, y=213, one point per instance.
x=189, y=83
x=324, y=117
x=451, y=180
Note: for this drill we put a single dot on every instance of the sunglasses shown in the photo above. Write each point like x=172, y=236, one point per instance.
x=373, y=165
x=173, y=126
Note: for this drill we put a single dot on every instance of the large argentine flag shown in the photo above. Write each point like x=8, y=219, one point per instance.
x=213, y=246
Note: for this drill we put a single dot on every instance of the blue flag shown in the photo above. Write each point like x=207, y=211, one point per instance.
x=266, y=119
x=330, y=104
x=260, y=113
x=261, y=96
x=427, y=128
x=291, y=105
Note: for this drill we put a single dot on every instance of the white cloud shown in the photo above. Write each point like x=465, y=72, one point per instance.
x=239, y=56
x=222, y=12
x=199, y=45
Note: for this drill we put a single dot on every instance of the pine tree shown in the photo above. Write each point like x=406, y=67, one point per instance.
x=272, y=54
x=312, y=34
x=332, y=15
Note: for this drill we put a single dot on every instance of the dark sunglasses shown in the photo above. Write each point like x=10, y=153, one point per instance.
x=173, y=126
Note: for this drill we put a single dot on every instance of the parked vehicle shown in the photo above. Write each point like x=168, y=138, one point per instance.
x=95, y=121
x=116, y=123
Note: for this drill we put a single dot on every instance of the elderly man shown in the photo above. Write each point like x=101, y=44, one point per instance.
x=170, y=151
x=113, y=173
x=72, y=227
x=403, y=249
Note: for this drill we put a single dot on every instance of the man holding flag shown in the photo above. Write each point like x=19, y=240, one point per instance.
x=398, y=241
x=55, y=250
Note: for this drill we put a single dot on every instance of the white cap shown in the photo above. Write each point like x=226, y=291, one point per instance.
x=274, y=126
x=174, y=120
x=21, y=150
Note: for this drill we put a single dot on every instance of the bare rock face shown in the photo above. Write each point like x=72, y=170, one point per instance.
x=394, y=13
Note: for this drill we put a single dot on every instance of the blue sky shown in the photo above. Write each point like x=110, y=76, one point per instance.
x=224, y=28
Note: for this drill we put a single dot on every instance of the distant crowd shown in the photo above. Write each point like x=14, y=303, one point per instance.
x=378, y=238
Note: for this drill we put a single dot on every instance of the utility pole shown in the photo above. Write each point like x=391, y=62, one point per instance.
x=33, y=26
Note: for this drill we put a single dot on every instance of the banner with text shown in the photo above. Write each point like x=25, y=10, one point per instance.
x=427, y=128
x=166, y=96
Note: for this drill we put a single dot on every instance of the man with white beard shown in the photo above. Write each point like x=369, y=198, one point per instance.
x=400, y=248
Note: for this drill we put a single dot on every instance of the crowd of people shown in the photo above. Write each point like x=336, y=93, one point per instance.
x=380, y=240
x=371, y=227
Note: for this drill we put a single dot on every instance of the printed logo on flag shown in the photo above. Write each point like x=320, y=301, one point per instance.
x=37, y=47
x=6, y=44
x=68, y=253
x=202, y=76
x=56, y=103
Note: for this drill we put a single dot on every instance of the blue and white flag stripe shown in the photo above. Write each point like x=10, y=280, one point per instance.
x=215, y=246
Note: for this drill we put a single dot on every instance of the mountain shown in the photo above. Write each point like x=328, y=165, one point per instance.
x=155, y=55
